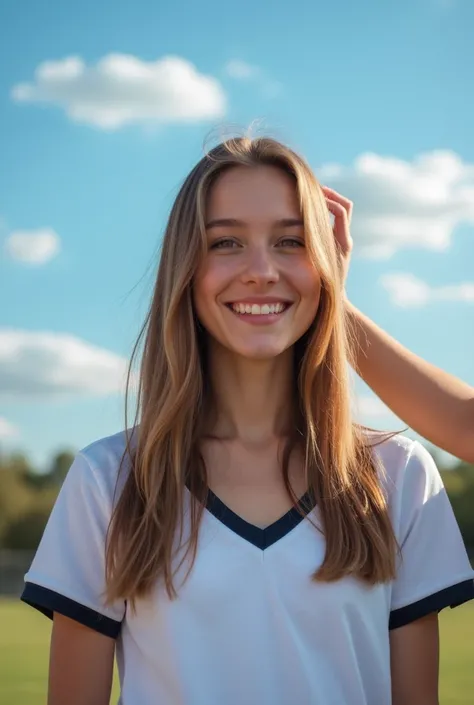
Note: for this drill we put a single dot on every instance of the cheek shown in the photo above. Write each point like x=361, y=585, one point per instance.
x=208, y=283
x=212, y=278
x=308, y=282
x=309, y=287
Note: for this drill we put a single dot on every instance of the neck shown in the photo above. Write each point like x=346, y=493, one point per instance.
x=251, y=399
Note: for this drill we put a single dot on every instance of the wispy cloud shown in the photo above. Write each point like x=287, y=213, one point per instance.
x=49, y=365
x=371, y=407
x=33, y=247
x=408, y=291
x=7, y=430
x=121, y=90
x=405, y=204
x=240, y=70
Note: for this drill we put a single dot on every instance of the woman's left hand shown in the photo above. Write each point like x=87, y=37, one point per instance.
x=341, y=208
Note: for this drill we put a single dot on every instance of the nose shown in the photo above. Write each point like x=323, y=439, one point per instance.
x=260, y=267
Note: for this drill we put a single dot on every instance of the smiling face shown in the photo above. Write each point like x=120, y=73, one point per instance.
x=256, y=291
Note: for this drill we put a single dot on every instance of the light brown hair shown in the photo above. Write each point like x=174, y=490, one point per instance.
x=341, y=470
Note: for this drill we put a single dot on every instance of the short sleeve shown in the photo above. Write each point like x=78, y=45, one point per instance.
x=67, y=574
x=434, y=570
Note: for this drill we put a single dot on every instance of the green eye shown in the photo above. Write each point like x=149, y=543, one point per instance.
x=225, y=243
x=291, y=242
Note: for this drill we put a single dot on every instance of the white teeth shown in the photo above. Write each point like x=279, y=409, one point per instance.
x=257, y=310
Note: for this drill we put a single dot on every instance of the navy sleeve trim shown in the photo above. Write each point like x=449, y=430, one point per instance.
x=47, y=602
x=450, y=597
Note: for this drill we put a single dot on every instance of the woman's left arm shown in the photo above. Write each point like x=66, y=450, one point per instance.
x=414, y=662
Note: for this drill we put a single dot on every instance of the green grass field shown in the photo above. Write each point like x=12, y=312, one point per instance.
x=24, y=637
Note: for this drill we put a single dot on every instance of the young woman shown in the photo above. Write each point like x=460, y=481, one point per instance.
x=246, y=542
x=434, y=403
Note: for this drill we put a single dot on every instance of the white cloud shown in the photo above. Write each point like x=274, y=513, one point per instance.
x=371, y=407
x=406, y=290
x=7, y=430
x=34, y=247
x=405, y=204
x=369, y=410
x=51, y=365
x=122, y=90
x=240, y=70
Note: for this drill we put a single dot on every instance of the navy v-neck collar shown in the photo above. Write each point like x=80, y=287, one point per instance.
x=261, y=538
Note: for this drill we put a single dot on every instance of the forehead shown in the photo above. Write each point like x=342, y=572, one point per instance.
x=250, y=193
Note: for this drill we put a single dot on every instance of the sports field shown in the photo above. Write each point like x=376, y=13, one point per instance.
x=24, y=655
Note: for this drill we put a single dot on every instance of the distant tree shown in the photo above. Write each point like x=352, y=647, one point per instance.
x=15, y=496
x=19, y=463
x=459, y=483
x=25, y=532
x=36, y=481
x=466, y=472
x=454, y=483
x=60, y=466
x=55, y=474
x=26, y=499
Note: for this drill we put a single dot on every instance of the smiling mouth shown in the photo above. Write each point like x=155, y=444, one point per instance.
x=251, y=310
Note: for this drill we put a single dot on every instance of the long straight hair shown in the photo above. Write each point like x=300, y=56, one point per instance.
x=340, y=465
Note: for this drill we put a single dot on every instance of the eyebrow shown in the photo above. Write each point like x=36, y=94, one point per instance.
x=234, y=223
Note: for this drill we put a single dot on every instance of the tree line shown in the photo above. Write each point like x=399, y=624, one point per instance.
x=27, y=497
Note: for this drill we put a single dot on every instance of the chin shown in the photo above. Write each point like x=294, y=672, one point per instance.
x=260, y=352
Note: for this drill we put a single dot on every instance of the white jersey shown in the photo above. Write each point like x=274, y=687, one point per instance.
x=249, y=625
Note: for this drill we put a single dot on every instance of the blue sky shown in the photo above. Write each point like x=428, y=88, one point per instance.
x=95, y=143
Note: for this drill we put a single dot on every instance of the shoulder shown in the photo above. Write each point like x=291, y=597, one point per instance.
x=397, y=449
x=406, y=463
x=103, y=464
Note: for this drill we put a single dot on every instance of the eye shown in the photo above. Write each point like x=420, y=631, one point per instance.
x=224, y=243
x=291, y=242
